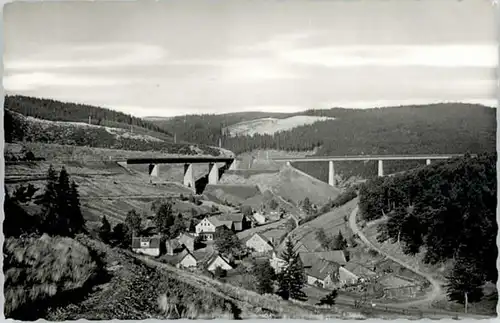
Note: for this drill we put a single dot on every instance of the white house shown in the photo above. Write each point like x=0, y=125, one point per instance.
x=259, y=218
x=259, y=243
x=146, y=245
x=187, y=260
x=347, y=277
x=206, y=228
x=218, y=261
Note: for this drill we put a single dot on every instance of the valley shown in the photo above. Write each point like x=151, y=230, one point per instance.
x=269, y=205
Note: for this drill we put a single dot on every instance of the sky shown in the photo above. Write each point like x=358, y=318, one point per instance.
x=179, y=57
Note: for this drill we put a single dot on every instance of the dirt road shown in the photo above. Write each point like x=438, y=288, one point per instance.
x=436, y=287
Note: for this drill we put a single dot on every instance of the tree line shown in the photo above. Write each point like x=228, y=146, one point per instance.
x=54, y=110
x=18, y=129
x=434, y=128
x=448, y=211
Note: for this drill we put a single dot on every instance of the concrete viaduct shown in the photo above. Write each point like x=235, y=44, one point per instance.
x=379, y=158
x=189, y=180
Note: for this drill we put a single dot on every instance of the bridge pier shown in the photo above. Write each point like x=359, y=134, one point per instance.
x=213, y=173
x=428, y=162
x=232, y=166
x=331, y=173
x=154, y=170
x=189, y=176
x=380, y=168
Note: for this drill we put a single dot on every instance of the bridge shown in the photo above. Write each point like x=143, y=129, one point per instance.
x=189, y=181
x=380, y=158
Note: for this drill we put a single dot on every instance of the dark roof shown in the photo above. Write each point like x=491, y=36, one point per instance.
x=177, y=258
x=214, y=256
x=154, y=242
x=321, y=269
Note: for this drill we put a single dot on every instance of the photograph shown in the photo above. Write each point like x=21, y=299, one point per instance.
x=250, y=159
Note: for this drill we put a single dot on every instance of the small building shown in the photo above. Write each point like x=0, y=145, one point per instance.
x=322, y=273
x=259, y=243
x=206, y=228
x=277, y=263
x=259, y=218
x=218, y=261
x=187, y=240
x=347, y=277
x=146, y=245
x=184, y=259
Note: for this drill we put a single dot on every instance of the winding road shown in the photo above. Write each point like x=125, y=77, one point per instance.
x=436, y=287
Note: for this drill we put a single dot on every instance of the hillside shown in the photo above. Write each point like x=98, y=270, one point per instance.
x=270, y=126
x=19, y=128
x=290, y=184
x=53, y=110
x=441, y=212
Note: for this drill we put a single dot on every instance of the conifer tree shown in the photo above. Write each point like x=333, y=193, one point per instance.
x=63, y=223
x=78, y=222
x=292, y=277
x=48, y=201
x=340, y=242
x=105, y=230
x=133, y=222
x=265, y=277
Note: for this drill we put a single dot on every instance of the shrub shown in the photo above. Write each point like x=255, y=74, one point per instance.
x=37, y=268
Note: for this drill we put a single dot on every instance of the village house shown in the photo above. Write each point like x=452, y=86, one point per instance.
x=206, y=228
x=184, y=259
x=146, y=245
x=322, y=273
x=259, y=218
x=327, y=268
x=277, y=263
x=217, y=261
x=259, y=243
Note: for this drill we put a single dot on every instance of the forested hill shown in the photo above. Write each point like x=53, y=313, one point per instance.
x=435, y=128
x=448, y=211
x=207, y=128
x=53, y=110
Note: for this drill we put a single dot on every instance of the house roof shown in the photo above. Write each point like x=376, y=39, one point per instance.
x=234, y=217
x=321, y=269
x=186, y=236
x=173, y=243
x=203, y=255
x=337, y=256
x=177, y=258
x=214, y=257
x=359, y=270
x=154, y=242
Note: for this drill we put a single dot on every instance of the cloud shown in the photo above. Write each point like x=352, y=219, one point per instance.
x=31, y=81
x=91, y=55
x=395, y=55
x=242, y=69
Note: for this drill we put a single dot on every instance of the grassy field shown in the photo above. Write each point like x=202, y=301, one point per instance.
x=331, y=222
x=38, y=268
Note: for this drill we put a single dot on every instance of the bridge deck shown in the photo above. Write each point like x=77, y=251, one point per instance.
x=367, y=157
x=180, y=160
